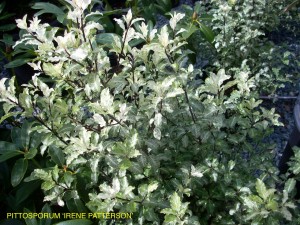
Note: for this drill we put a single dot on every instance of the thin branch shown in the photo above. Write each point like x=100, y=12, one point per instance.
x=190, y=108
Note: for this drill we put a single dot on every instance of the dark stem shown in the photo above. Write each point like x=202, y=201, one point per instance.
x=190, y=108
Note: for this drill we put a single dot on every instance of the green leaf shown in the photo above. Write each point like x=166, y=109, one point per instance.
x=7, y=15
x=272, y=205
x=32, y=221
x=17, y=63
x=16, y=137
x=46, y=209
x=25, y=133
x=75, y=222
x=7, y=146
x=290, y=185
x=25, y=190
x=7, y=27
x=197, y=7
x=56, y=155
x=46, y=7
x=10, y=114
x=214, y=82
x=157, y=133
x=2, y=5
x=118, y=83
x=66, y=128
x=35, y=140
x=190, y=31
x=76, y=205
x=261, y=189
x=7, y=40
x=172, y=219
x=207, y=32
x=286, y=214
x=68, y=178
x=31, y=153
x=47, y=185
x=18, y=171
x=232, y=2
x=106, y=39
x=135, y=42
x=175, y=202
x=9, y=154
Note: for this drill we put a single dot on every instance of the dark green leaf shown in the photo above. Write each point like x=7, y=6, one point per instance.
x=57, y=155
x=7, y=40
x=191, y=30
x=2, y=5
x=46, y=7
x=106, y=38
x=46, y=209
x=7, y=27
x=16, y=137
x=9, y=154
x=7, y=15
x=136, y=42
x=25, y=134
x=17, y=63
x=76, y=205
x=66, y=128
x=18, y=171
x=25, y=190
x=7, y=146
x=107, y=24
x=30, y=221
x=21, y=136
x=197, y=7
x=207, y=32
x=35, y=140
x=31, y=153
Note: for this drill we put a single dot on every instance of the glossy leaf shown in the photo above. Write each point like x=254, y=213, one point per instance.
x=7, y=27
x=18, y=171
x=7, y=146
x=9, y=115
x=290, y=185
x=17, y=63
x=76, y=205
x=5, y=155
x=2, y=5
x=46, y=7
x=26, y=190
x=31, y=153
x=56, y=155
x=46, y=209
x=207, y=33
x=32, y=221
x=261, y=189
x=106, y=39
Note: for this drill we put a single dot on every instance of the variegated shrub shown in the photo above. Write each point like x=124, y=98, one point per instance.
x=143, y=134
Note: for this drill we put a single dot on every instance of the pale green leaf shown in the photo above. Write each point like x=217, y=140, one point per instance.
x=289, y=185
x=175, y=202
x=261, y=189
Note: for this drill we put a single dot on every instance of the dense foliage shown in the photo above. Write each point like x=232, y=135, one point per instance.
x=125, y=123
